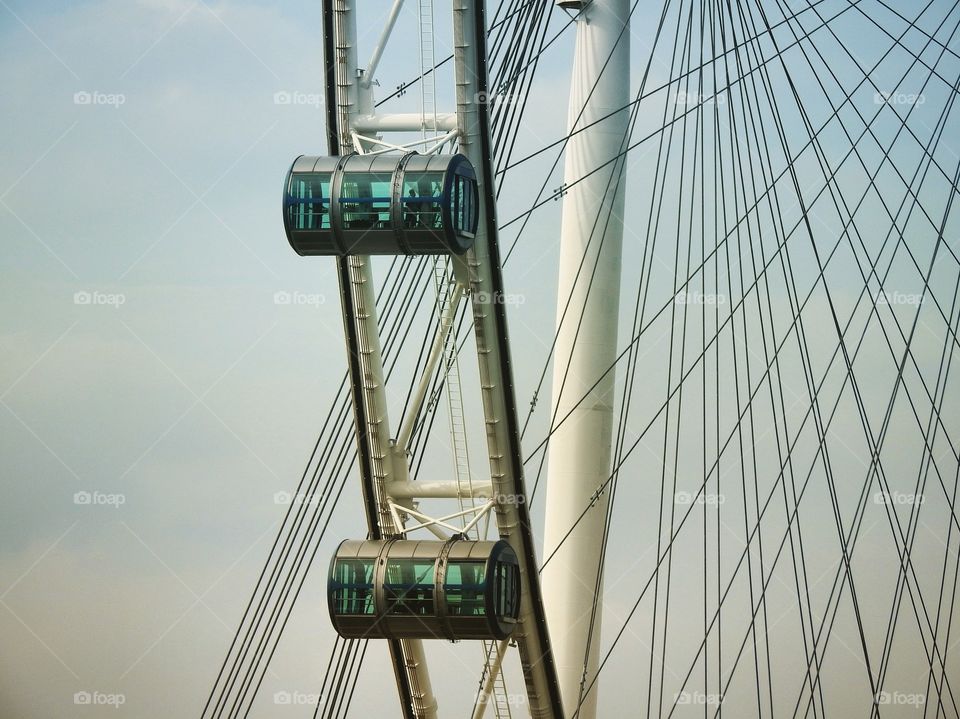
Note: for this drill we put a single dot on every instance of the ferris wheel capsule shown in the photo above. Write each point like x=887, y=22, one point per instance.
x=405, y=589
x=407, y=204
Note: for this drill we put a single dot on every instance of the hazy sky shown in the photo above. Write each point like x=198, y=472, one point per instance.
x=192, y=393
x=156, y=391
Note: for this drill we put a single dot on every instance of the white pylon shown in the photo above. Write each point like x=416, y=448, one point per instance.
x=590, y=251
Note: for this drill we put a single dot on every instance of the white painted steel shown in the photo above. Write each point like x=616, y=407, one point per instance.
x=426, y=377
x=371, y=72
x=388, y=460
x=371, y=359
x=383, y=456
x=531, y=637
x=579, y=451
x=405, y=122
x=440, y=489
x=428, y=78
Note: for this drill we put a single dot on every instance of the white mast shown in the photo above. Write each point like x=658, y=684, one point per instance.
x=591, y=237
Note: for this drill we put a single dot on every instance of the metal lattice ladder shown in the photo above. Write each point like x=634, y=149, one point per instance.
x=444, y=283
x=500, y=703
x=454, y=391
x=428, y=81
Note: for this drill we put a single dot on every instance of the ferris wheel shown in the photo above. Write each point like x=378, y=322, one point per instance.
x=389, y=199
x=449, y=551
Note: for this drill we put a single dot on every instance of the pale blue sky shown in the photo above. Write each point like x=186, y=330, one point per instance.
x=183, y=387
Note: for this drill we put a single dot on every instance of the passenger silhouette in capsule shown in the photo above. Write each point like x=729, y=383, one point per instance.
x=410, y=219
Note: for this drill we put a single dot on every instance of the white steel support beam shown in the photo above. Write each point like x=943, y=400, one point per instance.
x=499, y=406
x=442, y=489
x=374, y=390
x=370, y=75
x=388, y=492
x=590, y=250
x=364, y=311
x=404, y=122
x=348, y=94
x=436, y=352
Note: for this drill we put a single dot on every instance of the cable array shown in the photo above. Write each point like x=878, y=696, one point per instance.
x=775, y=397
x=753, y=192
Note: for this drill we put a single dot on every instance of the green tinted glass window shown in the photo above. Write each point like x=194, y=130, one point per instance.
x=421, y=199
x=309, y=205
x=408, y=587
x=353, y=586
x=507, y=590
x=462, y=204
x=365, y=200
x=465, y=205
x=464, y=586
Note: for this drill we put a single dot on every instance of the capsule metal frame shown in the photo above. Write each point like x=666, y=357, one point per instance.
x=362, y=225
x=380, y=618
